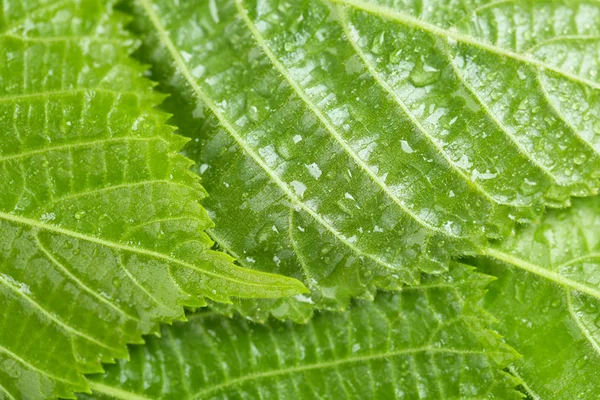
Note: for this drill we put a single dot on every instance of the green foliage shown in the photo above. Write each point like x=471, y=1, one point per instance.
x=355, y=144
x=425, y=342
x=547, y=300
x=101, y=233
x=348, y=146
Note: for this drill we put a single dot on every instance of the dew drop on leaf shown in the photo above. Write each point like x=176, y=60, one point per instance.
x=116, y=282
x=423, y=74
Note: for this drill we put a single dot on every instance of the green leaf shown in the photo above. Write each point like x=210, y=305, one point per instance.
x=101, y=233
x=547, y=298
x=354, y=144
x=427, y=342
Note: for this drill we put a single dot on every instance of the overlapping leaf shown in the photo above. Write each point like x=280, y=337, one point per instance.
x=547, y=300
x=427, y=342
x=101, y=233
x=354, y=144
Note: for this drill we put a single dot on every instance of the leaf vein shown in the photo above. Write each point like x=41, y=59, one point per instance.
x=117, y=246
x=498, y=123
x=181, y=66
x=561, y=115
x=333, y=132
x=127, y=185
x=5, y=391
x=62, y=92
x=331, y=364
x=535, y=269
x=71, y=330
x=420, y=128
x=584, y=330
x=63, y=268
x=31, y=366
x=446, y=34
x=71, y=146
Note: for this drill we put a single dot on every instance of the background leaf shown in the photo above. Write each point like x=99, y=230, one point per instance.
x=354, y=144
x=101, y=233
x=427, y=342
x=547, y=299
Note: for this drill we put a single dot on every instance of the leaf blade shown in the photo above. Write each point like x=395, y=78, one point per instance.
x=399, y=136
x=547, y=297
x=101, y=230
x=379, y=350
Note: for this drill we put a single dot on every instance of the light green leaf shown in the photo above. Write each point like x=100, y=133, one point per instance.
x=427, y=342
x=101, y=233
x=547, y=299
x=354, y=144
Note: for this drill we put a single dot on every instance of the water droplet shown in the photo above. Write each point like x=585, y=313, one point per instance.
x=423, y=74
x=366, y=274
x=397, y=56
x=326, y=249
x=569, y=171
x=520, y=289
x=314, y=170
x=406, y=147
x=345, y=208
x=79, y=215
x=377, y=47
x=581, y=362
x=299, y=188
x=264, y=234
x=253, y=113
x=116, y=282
x=579, y=159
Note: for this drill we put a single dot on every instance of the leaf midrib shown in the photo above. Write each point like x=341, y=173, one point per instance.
x=107, y=389
x=63, y=92
x=75, y=145
x=67, y=327
x=540, y=271
x=409, y=20
x=6, y=392
x=31, y=366
x=122, y=247
x=584, y=330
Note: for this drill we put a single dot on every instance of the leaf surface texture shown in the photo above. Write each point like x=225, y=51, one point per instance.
x=547, y=300
x=355, y=144
x=101, y=232
x=428, y=342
